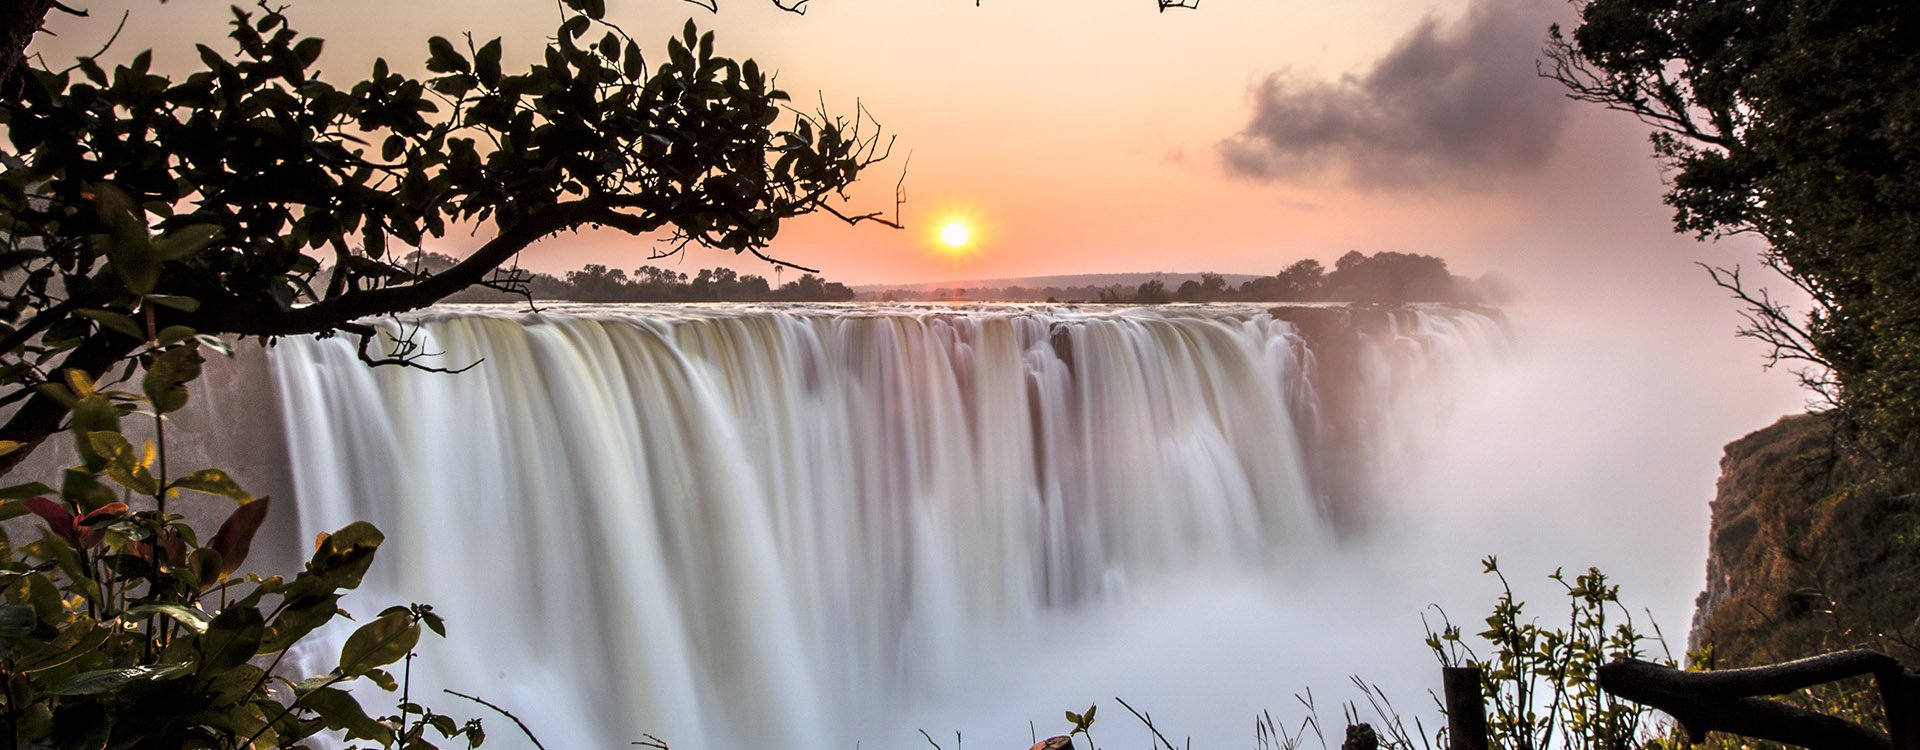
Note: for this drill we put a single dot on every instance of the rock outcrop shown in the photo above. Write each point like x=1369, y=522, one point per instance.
x=1808, y=552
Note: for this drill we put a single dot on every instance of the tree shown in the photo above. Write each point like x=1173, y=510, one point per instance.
x=254, y=198
x=1793, y=121
x=1152, y=292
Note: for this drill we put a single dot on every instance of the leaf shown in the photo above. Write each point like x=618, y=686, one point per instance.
x=22, y=492
x=175, y=301
x=235, y=537
x=185, y=242
x=212, y=482
x=74, y=642
x=59, y=519
x=308, y=50
x=116, y=322
x=107, y=680
x=171, y=335
x=9, y=446
x=443, y=58
x=231, y=639
x=194, y=619
x=297, y=620
x=379, y=643
x=341, y=558
x=341, y=712
x=486, y=63
x=168, y=375
x=128, y=246
x=204, y=563
x=122, y=462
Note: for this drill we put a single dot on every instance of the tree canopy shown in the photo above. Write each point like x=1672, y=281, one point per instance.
x=1795, y=121
x=252, y=197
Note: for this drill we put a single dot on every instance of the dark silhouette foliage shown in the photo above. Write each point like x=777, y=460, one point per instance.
x=255, y=198
x=1794, y=121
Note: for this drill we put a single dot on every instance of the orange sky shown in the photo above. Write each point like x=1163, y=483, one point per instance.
x=1092, y=135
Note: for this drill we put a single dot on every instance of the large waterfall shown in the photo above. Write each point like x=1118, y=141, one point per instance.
x=742, y=527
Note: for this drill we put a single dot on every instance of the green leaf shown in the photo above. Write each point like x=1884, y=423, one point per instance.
x=235, y=686
x=171, y=335
x=341, y=558
x=128, y=246
x=116, y=322
x=212, y=482
x=108, y=680
x=231, y=639
x=340, y=712
x=123, y=463
x=297, y=620
x=175, y=301
x=22, y=492
x=167, y=376
x=379, y=643
x=74, y=642
x=185, y=242
x=194, y=619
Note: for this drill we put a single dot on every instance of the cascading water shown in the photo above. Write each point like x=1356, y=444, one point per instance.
x=775, y=527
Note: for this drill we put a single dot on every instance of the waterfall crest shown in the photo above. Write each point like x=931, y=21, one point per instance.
x=742, y=526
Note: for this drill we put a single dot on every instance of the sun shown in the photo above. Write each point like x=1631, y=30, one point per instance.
x=955, y=235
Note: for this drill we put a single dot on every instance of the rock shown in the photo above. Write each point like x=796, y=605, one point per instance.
x=1803, y=555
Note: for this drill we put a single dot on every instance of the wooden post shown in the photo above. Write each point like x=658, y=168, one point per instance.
x=1900, y=691
x=1466, y=708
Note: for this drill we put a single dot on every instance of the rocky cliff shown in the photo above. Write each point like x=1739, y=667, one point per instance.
x=1807, y=553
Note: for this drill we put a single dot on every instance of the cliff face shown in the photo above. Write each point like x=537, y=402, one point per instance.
x=1805, y=555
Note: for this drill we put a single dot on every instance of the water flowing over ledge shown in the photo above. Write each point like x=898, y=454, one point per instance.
x=738, y=526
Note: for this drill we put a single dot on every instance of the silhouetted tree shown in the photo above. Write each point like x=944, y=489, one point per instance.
x=1791, y=120
x=255, y=198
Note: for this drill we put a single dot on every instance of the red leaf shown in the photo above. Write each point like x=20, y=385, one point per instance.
x=236, y=534
x=58, y=518
x=86, y=526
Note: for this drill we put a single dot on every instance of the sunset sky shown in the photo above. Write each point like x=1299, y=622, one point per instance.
x=1103, y=136
x=1098, y=136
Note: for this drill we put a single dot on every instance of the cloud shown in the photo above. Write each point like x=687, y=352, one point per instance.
x=1454, y=104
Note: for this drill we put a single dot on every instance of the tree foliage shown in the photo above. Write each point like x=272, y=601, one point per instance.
x=253, y=197
x=1795, y=121
x=129, y=628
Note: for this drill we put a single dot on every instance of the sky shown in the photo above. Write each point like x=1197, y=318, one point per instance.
x=1087, y=136
x=1099, y=136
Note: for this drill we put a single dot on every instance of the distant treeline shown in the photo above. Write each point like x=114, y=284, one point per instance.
x=599, y=283
x=1356, y=277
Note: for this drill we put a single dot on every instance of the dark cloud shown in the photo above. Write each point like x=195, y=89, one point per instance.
x=1454, y=104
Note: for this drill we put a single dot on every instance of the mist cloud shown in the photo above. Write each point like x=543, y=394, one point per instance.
x=1453, y=104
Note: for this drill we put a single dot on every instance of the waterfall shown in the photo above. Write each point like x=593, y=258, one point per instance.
x=750, y=526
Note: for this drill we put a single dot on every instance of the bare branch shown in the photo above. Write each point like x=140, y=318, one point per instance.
x=509, y=714
x=406, y=350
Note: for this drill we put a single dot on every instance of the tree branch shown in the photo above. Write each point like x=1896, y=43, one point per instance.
x=1721, y=701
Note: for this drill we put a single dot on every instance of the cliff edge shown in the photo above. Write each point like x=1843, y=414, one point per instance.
x=1805, y=554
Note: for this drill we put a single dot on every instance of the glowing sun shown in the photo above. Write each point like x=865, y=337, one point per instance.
x=955, y=235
